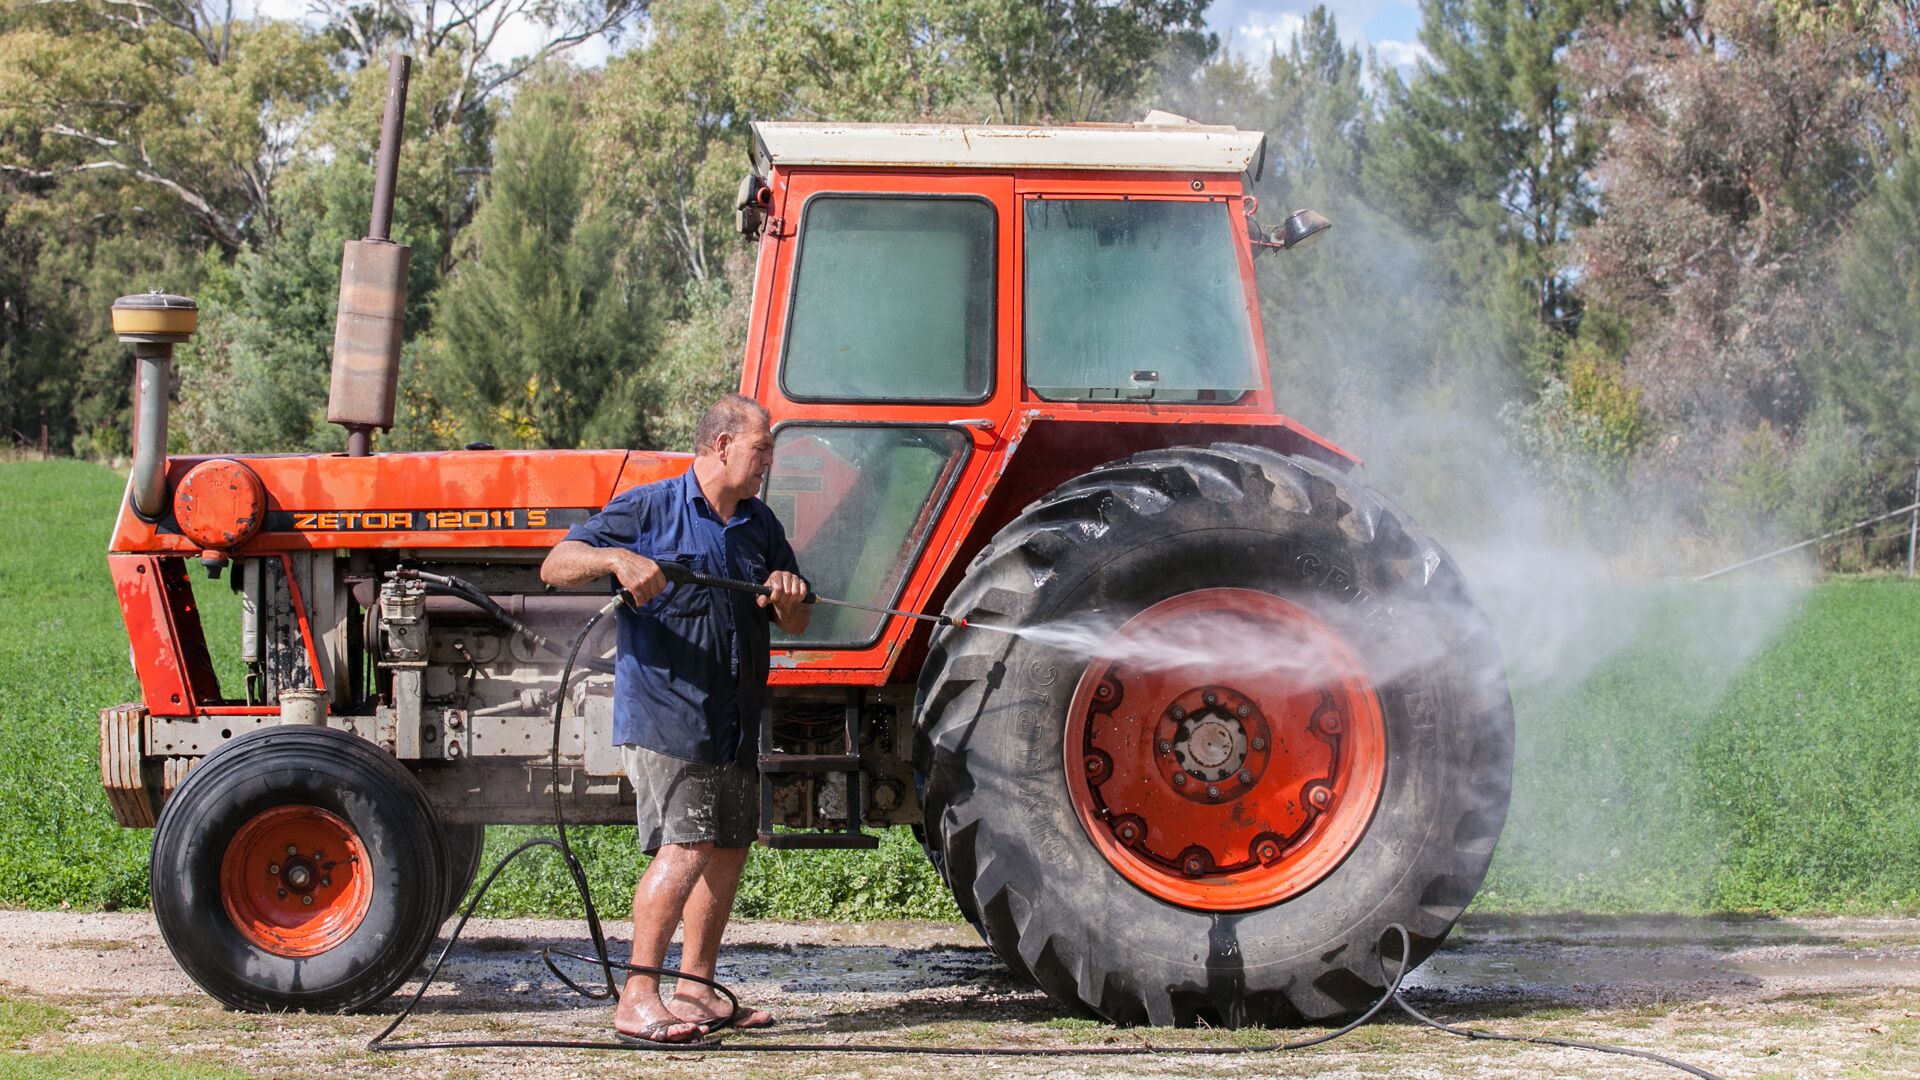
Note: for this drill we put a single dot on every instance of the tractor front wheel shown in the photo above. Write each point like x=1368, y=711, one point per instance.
x=298, y=868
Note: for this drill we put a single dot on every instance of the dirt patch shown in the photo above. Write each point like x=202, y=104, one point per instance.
x=1742, y=998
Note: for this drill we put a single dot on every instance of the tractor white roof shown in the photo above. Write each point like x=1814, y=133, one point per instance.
x=1163, y=142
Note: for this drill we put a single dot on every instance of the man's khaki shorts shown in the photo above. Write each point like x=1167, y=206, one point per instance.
x=688, y=802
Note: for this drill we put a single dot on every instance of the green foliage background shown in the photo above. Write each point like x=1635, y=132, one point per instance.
x=1663, y=781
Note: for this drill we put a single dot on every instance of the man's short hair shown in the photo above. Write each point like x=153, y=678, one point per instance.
x=731, y=415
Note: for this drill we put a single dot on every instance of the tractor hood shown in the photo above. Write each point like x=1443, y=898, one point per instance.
x=452, y=499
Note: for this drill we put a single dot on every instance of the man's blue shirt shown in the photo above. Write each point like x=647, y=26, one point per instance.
x=691, y=674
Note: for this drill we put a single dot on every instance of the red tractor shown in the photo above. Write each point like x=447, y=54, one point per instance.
x=1253, y=719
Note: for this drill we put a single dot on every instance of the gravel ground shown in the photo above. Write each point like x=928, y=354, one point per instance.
x=86, y=994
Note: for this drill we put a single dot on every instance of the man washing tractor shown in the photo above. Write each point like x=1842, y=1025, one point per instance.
x=690, y=680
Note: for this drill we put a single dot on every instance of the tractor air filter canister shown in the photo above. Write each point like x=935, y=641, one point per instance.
x=219, y=504
x=366, y=335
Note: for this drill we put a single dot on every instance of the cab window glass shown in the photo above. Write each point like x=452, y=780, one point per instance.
x=858, y=502
x=1133, y=298
x=892, y=300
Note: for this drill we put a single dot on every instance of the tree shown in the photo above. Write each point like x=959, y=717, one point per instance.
x=1875, y=371
x=1489, y=136
x=1060, y=61
x=1736, y=149
x=255, y=377
x=463, y=36
x=155, y=109
x=541, y=321
x=668, y=134
x=132, y=136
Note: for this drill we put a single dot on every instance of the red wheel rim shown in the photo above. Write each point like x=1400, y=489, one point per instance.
x=295, y=880
x=1225, y=750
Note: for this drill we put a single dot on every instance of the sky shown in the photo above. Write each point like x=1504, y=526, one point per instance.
x=1254, y=27
x=1249, y=27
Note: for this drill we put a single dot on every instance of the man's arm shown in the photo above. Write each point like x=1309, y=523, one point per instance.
x=572, y=563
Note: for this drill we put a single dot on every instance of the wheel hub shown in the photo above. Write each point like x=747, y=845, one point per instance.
x=1233, y=774
x=1205, y=740
x=294, y=880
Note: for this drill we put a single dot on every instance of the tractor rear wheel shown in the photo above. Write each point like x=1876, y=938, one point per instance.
x=298, y=868
x=1255, y=721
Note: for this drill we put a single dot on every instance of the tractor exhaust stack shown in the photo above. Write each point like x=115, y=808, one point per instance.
x=373, y=295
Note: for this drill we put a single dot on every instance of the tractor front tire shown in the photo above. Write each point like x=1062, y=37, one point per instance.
x=1254, y=723
x=298, y=868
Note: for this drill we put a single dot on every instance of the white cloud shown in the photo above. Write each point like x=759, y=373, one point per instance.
x=1253, y=29
x=1262, y=34
x=1401, y=54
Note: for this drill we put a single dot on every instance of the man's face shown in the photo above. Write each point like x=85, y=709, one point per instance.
x=745, y=459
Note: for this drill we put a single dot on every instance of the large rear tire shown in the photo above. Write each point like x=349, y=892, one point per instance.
x=1264, y=724
x=298, y=868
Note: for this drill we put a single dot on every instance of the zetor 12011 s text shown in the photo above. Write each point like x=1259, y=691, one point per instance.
x=1016, y=375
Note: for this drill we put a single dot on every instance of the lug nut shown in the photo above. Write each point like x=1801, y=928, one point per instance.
x=1103, y=691
x=307, y=900
x=1177, y=713
x=1094, y=765
x=1179, y=779
x=1210, y=697
x=1266, y=851
x=1246, y=776
x=1243, y=712
x=1195, y=866
x=1166, y=747
x=273, y=868
x=1259, y=744
x=291, y=850
x=1128, y=832
x=1320, y=796
x=1212, y=792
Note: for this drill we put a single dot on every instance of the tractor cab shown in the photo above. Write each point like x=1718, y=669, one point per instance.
x=929, y=295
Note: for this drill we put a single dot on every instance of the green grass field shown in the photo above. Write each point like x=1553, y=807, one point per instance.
x=1668, y=779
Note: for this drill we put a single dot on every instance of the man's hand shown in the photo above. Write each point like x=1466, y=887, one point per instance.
x=788, y=597
x=637, y=574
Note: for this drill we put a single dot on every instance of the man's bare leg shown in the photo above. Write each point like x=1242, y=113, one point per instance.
x=659, y=898
x=708, y=909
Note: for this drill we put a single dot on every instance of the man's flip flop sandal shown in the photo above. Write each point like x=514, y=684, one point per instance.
x=652, y=1034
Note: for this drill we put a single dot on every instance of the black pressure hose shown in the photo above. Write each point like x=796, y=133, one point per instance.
x=448, y=585
x=608, y=965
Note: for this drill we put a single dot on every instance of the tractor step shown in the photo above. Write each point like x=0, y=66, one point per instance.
x=845, y=765
x=810, y=763
x=837, y=840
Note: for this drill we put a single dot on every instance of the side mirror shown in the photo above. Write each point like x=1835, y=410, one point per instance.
x=1301, y=227
x=750, y=205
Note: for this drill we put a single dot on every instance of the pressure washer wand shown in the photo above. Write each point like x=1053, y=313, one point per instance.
x=680, y=574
